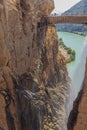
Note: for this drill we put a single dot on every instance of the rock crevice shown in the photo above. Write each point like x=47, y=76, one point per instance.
x=33, y=71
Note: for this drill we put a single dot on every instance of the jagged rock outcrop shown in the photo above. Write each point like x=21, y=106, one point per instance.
x=78, y=116
x=34, y=82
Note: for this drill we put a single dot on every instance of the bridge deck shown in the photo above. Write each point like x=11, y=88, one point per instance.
x=63, y=19
x=67, y=19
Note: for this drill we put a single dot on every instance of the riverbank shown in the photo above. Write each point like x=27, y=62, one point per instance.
x=75, y=32
x=76, y=29
x=67, y=52
x=76, y=42
x=80, y=33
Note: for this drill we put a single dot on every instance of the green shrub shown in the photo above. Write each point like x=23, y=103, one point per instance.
x=69, y=51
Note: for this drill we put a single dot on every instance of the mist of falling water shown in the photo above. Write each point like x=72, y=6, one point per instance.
x=77, y=78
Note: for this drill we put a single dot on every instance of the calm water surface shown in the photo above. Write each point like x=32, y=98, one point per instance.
x=76, y=69
x=76, y=42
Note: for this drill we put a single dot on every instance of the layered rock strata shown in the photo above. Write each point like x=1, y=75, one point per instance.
x=34, y=82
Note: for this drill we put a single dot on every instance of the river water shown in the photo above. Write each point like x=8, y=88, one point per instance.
x=75, y=42
x=76, y=69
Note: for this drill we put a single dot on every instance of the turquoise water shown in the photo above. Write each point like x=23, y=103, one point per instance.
x=76, y=42
x=76, y=69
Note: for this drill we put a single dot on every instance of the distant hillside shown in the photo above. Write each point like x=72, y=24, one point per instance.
x=79, y=9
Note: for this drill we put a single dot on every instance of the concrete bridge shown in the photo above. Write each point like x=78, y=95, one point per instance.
x=63, y=19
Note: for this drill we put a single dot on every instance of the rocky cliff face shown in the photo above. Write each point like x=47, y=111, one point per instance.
x=34, y=83
x=78, y=116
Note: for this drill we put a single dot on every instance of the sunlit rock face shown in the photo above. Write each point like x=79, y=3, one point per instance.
x=4, y=53
x=22, y=19
x=45, y=7
x=34, y=82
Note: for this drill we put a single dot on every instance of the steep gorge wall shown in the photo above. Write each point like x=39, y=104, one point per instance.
x=34, y=82
x=78, y=116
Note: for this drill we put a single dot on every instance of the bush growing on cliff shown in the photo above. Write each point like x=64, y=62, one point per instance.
x=73, y=53
x=70, y=51
x=61, y=42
